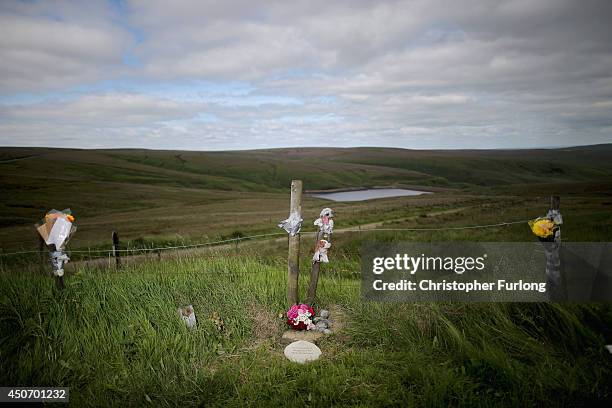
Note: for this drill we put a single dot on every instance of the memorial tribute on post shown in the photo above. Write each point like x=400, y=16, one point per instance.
x=55, y=229
x=292, y=225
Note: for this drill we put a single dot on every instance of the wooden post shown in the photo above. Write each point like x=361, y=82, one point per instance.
x=293, y=258
x=555, y=202
x=324, y=233
x=59, y=280
x=116, y=252
x=314, y=274
x=159, y=255
x=554, y=280
x=42, y=253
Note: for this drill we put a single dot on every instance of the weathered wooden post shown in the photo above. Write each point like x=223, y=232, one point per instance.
x=554, y=279
x=293, y=259
x=42, y=252
x=116, y=251
x=292, y=225
x=59, y=282
x=58, y=258
x=314, y=274
x=322, y=243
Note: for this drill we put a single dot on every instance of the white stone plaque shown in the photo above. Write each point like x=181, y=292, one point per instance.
x=302, y=351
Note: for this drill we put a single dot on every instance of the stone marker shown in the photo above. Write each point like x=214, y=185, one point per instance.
x=302, y=351
x=609, y=347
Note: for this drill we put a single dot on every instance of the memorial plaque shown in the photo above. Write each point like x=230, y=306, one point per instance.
x=302, y=351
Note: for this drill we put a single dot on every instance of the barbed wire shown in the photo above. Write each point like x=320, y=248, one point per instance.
x=112, y=251
x=238, y=239
x=223, y=241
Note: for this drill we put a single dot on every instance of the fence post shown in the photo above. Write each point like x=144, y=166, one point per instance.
x=554, y=280
x=293, y=258
x=326, y=225
x=314, y=274
x=555, y=202
x=59, y=280
x=42, y=246
x=116, y=252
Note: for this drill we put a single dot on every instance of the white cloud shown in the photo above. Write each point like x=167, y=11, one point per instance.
x=106, y=110
x=39, y=53
x=423, y=73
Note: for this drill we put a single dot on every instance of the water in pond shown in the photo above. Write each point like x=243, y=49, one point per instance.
x=368, y=194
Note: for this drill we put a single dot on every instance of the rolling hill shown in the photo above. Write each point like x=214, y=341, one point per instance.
x=156, y=192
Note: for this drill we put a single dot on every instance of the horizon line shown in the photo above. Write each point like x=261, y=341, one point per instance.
x=312, y=148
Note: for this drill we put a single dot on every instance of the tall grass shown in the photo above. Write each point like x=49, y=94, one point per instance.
x=116, y=339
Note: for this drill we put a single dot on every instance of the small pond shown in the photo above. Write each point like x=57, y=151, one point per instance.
x=368, y=194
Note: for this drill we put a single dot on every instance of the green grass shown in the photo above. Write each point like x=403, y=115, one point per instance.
x=115, y=339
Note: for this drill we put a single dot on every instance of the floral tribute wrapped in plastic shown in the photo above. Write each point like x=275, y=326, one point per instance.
x=56, y=228
x=300, y=317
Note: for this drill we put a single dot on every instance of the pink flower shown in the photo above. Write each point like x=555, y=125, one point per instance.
x=293, y=312
x=299, y=317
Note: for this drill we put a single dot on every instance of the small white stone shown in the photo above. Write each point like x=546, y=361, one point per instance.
x=302, y=351
x=324, y=313
x=609, y=347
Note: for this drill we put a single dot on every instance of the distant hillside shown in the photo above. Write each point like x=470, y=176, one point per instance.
x=100, y=181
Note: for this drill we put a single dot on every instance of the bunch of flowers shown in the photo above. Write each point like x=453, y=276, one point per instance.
x=56, y=228
x=299, y=317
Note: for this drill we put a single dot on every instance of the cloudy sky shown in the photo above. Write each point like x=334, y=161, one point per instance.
x=200, y=75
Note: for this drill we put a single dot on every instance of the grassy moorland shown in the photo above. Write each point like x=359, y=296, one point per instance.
x=115, y=339
x=171, y=196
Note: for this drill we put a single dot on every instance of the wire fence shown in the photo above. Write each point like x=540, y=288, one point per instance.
x=267, y=236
